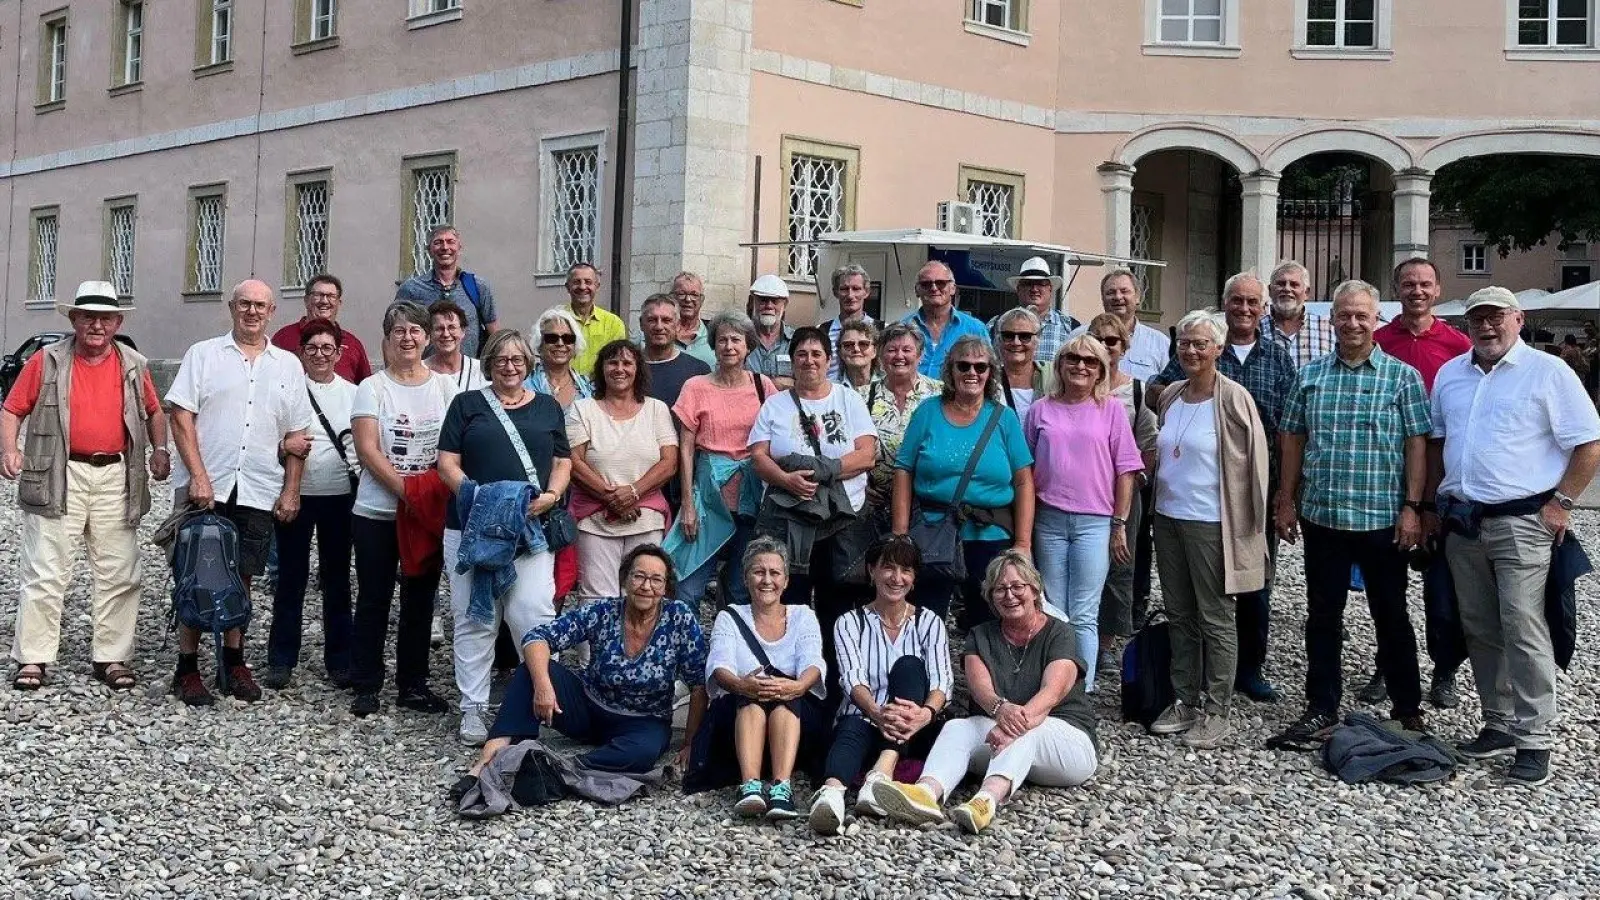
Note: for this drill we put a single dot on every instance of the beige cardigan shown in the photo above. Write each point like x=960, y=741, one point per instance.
x=1242, y=454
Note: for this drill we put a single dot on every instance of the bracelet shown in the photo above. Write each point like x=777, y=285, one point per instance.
x=1118, y=522
x=994, y=712
x=932, y=713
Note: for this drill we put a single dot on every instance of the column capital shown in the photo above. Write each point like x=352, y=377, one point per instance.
x=1115, y=176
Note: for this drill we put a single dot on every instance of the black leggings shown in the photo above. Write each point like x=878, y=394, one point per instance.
x=377, y=546
x=856, y=742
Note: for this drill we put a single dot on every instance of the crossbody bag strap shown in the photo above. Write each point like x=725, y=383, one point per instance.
x=805, y=423
x=977, y=451
x=335, y=437
x=513, y=434
x=751, y=639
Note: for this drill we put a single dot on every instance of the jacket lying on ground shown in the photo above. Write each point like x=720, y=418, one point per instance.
x=491, y=796
x=495, y=530
x=1364, y=749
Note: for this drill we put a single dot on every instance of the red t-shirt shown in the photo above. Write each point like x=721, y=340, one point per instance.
x=1425, y=352
x=94, y=406
x=353, y=365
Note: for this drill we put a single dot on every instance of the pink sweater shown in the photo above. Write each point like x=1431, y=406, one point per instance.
x=1078, y=451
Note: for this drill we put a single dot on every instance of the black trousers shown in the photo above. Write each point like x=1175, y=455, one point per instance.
x=936, y=591
x=329, y=518
x=1144, y=554
x=830, y=599
x=377, y=547
x=1254, y=612
x=856, y=742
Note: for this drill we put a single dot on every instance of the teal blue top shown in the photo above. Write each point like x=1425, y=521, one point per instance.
x=935, y=452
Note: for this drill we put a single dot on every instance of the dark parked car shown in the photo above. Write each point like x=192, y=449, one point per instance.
x=11, y=365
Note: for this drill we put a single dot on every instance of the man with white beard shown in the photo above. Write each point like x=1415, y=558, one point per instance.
x=1304, y=334
x=769, y=300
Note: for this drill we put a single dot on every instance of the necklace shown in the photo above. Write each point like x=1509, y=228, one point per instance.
x=893, y=625
x=1193, y=411
x=1018, y=654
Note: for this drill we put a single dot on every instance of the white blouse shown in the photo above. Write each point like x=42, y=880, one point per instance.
x=799, y=649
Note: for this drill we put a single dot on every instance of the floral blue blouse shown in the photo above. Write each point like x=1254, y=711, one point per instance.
x=640, y=686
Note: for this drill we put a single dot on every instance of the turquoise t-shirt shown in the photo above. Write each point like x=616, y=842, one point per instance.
x=935, y=452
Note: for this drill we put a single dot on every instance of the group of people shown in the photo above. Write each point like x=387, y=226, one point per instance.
x=857, y=491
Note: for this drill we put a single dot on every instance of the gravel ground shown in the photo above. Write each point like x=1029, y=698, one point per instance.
x=137, y=796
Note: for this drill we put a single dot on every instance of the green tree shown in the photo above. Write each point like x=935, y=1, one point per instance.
x=1517, y=201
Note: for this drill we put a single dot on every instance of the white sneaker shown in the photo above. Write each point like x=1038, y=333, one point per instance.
x=473, y=731
x=866, y=801
x=827, y=810
x=436, y=636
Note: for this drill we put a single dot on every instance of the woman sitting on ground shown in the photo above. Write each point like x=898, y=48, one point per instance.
x=894, y=661
x=1024, y=673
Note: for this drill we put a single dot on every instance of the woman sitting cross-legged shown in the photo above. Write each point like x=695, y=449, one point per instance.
x=766, y=679
x=1023, y=670
x=894, y=661
x=642, y=644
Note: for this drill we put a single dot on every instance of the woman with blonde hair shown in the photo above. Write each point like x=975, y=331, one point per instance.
x=1085, y=459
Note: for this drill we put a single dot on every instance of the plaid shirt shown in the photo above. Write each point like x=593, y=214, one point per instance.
x=1053, y=331
x=1267, y=373
x=1314, y=339
x=1356, y=420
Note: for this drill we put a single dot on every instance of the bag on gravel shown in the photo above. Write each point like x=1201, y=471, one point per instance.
x=1147, y=672
x=207, y=592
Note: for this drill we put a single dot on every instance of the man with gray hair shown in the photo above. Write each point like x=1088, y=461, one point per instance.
x=1353, y=435
x=444, y=279
x=1148, y=351
x=1303, y=333
x=693, y=332
x=1036, y=290
x=851, y=288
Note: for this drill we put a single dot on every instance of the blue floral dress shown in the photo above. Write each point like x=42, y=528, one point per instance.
x=635, y=686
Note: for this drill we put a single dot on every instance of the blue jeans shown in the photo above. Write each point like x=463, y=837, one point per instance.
x=622, y=743
x=692, y=586
x=1073, y=551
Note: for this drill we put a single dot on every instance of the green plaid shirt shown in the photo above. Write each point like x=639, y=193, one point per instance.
x=1356, y=420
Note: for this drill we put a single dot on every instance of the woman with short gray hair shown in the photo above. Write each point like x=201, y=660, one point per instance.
x=1022, y=377
x=891, y=400
x=560, y=342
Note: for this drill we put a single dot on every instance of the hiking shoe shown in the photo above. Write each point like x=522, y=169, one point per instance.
x=436, y=635
x=780, y=803
x=1209, y=732
x=472, y=732
x=422, y=700
x=867, y=803
x=974, y=815
x=1489, y=744
x=827, y=810
x=1306, y=734
x=1178, y=718
x=1258, y=689
x=910, y=803
x=365, y=704
x=242, y=684
x=1108, y=664
x=191, y=689
x=1374, y=691
x=1443, y=694
x=277, y=677
x=1531, y=769
x=752, y=802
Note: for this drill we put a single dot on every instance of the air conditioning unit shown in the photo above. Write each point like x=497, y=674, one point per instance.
x=959, y=217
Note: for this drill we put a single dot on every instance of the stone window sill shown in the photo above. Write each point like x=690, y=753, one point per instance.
x=202, y=296
x=122, y=90
x=304, y=47
x=983, y=29
x=1367, y=53
x=1553, y=54
x=1212, y=51
x=210, y=69
x=427, y=20
x=49, y=107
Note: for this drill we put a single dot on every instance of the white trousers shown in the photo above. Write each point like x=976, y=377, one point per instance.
x=599, y=558
x=530, y=602
x=1055, y=754
x=93, y=519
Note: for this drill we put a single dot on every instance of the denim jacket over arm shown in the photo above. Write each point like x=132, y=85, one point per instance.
x=495, y=530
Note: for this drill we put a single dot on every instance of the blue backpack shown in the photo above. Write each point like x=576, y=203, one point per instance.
x=207, y=592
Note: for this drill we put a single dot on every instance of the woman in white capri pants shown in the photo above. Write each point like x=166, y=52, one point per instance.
x=1024, y=671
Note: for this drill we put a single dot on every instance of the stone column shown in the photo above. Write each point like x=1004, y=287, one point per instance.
x=1412, y=193
x=1116, y=182
x=1258, y=222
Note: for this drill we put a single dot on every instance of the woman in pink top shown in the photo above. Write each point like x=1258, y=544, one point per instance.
x=1085, y=460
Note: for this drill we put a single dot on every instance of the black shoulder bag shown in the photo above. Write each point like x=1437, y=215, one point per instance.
x=337, y=438
x=940, y=539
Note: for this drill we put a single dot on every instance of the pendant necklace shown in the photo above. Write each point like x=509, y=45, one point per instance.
x=1183, y=428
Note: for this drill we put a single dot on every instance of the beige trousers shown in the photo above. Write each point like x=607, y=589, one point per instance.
x=94, y=517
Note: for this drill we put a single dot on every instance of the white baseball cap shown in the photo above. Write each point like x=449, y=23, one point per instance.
x=770, y=286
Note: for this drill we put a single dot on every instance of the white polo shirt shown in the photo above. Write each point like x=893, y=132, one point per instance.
x=242, y=409
x=1509, y=432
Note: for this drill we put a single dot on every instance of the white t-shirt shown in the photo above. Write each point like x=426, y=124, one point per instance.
x=1021, y=399
x=841, y=418
x=1242, y=351
x=1188, y=482
x=622, y=451
x=469, y=378
x=325, y=473
x=409, y=419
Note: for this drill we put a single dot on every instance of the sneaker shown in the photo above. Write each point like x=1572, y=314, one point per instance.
x=1306, y=734
x=1108, y=664
x=191, y=689
x=974, y=815
x=752, y=802
x=867, y=803
x=827, y=810
x=1209, y=732
x=1443, y=694
x=1258, y=689
x=910, y=803
x=780, y=803
x=277, y=677
x=1178, y=718
x=1374, y=691
x=472, y=732
x=1489, y=744
x=364, y=705
x=242, y=684
x=1531, y=769
x=423, y=700
x=436, y=636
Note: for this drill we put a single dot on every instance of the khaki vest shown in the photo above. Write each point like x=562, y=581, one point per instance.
x=42, y=486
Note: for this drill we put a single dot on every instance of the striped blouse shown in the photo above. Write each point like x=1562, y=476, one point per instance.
x=866, y=654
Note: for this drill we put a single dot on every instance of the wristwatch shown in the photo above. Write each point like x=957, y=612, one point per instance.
x=1563, y=501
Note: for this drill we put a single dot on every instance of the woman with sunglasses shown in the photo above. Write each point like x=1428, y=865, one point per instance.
x=1017, y=340
x=942, y=439
x=560, y=342
x=858, y=353
x=1084, y=465
x=1116, y=601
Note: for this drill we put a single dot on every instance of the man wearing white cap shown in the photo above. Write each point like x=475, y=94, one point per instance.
x=1036, y=290
x=769, y=300
x=83, y=480
x=1515, y=439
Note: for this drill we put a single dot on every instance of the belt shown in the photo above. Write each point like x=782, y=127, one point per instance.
x=1525, y=506
x=96, y=459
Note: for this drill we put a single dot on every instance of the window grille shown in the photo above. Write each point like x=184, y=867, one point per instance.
x=122, y=242
x=210, y=225
x=431, y=191
x=311, y=231
x=996, y=206
x=46, y=231
x=575, y=206
x=816, y=206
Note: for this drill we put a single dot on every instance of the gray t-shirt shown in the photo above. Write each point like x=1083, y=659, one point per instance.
x=424, y=288
x=667, y=378
x=1017, y=673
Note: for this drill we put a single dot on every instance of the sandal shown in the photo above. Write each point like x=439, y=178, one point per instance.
x=29, y=677
x=115, y=675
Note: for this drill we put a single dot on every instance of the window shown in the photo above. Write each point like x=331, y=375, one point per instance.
x=1008, y=14
x=208, y=233
x=1555, y=23
x=42, y=255
x=570, y=195
x=127, y=62
x=1192, y=27
x=121, y=225
x=432, y=12
x=53, y=60
x=214, y=35
x=315, y=20
x=1145, y=243
x=306, y=241
x=998, y=196
x=321, y=19
x=427, y=200
x=1474, y=259
x=820, y=196
x=1341, y=23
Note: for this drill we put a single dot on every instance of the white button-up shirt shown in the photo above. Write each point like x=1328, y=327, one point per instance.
x=1509, y=432
x=242, y=410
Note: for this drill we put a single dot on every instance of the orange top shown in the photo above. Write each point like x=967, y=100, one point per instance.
x=95, y=406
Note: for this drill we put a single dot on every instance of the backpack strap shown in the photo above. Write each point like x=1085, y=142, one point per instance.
x=469, y=284
x=1138, y=397
x=761, y=389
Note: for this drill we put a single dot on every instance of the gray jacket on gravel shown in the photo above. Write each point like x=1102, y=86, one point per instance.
x=1364, y=749
x=491, y=796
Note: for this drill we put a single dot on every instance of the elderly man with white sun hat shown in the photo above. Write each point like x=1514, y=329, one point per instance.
x=1036, y=290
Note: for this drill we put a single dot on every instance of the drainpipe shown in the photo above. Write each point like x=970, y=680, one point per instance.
x=624, y=117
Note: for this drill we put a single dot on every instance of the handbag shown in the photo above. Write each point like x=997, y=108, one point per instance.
x=940, y=539
x=560, y=529
x=337, y=439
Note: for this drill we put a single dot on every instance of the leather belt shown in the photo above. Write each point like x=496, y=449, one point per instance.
x=96, y=459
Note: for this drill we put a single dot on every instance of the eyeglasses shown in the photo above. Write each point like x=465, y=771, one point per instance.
x=644, y=579
x=1110, y=340
x=515, y=362
x=1016, y=588
x=687, y=295
x=1187, y=344
x=855, y=346
x=568, y=339
x=964, y=366
x=1025, y=337
x=320, y=349
x=322, y=295
x=1494, y=318
x=935, y=284
x=1074, y=359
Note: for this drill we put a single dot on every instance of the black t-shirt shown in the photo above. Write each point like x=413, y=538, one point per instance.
x=667, y=378
x=473, y=430
x=1018, y=674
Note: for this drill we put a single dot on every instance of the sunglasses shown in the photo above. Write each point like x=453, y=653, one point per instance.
x=1110, y=340
x=1073, y=359
x=552, y=339
x=1025, y=337
x=934, y=284
x=964, y=366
